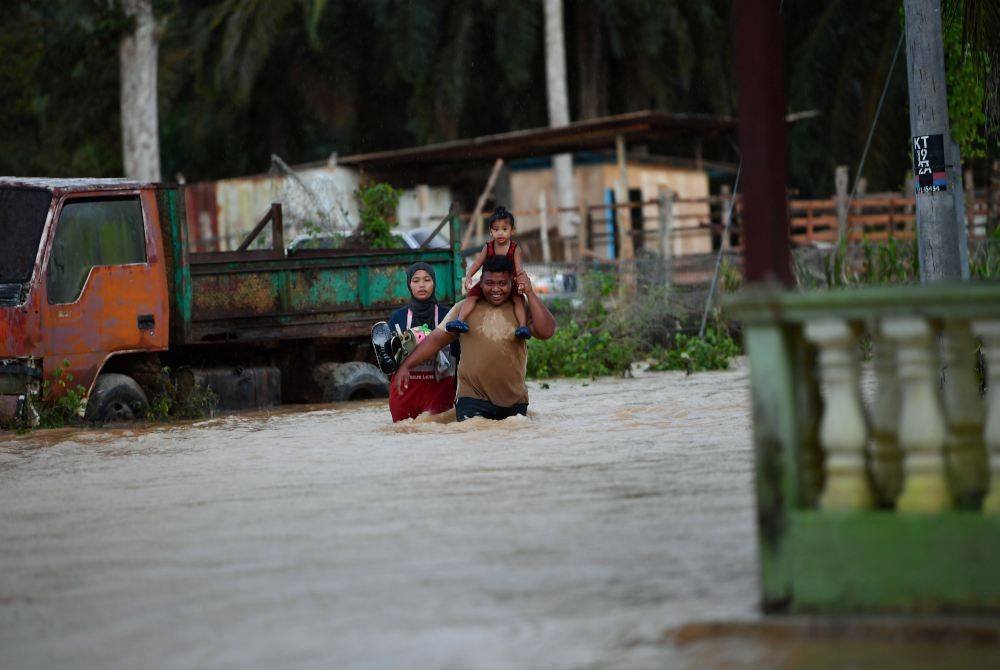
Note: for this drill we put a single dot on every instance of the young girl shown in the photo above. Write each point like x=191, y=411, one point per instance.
x=502, y=228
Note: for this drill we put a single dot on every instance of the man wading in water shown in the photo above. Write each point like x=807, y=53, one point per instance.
x=494, y=362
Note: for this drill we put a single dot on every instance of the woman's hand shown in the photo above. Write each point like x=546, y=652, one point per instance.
x=469, y=283
x=402, y=379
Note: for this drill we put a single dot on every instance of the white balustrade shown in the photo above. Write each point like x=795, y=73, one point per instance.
x=886, y=456
x=921, y=419
x=964, y=447
x=989, y=331
x=843, y=432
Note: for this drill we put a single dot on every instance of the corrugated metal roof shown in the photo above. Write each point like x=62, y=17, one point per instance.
x=640, y=127
x=72, y=184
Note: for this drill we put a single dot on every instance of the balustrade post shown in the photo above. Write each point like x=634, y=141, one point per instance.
x=989, y=331
x=843, y=429
x=921, y=420
x=964, y=448
x=886, y=456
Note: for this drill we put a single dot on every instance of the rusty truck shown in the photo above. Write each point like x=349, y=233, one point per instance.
x=97, y=284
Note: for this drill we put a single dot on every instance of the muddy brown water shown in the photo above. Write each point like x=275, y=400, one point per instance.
x=328, y=537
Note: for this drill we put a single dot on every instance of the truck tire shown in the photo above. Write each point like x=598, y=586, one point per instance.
x=350, y=381
x=116, y=397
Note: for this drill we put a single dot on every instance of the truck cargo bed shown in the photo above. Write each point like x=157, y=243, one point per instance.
x=265, y=295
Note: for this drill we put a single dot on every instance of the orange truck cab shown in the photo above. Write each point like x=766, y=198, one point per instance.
x=99, y=291
x=76, y=250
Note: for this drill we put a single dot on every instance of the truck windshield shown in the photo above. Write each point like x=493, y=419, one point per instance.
x=22, y=218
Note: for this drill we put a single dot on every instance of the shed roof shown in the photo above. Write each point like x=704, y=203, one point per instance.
x=635, y=127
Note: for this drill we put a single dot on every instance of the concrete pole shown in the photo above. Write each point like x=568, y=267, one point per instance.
x=543, y=230
x=138, y=55
x=937, y=233
x=558, y=103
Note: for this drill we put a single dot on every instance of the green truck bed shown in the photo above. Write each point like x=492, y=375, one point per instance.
x=266, y=295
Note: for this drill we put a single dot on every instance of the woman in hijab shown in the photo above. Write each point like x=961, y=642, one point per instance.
x=432, y=385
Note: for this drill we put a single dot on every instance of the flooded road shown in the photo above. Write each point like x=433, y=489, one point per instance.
x=328, y=537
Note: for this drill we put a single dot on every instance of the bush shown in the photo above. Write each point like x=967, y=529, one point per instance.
x=377, y=208
x=173, y=400
x=61, y=404
x=576, y=351
x=696, y=354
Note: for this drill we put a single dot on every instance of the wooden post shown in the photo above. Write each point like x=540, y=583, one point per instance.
x=993, y=200
x=277, y=228
x=953, y=160
x=760, y=71
x=625, y=244
x=476, y=219
x=423, y=205
x=666, y=198
x=543, y=230
x=726, y=194
x=583, y=232
x=840, y=182
x=970, y=203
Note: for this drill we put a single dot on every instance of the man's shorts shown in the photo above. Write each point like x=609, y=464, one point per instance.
x=466, y=408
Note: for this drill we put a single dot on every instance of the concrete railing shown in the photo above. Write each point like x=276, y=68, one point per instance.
x=911, y=460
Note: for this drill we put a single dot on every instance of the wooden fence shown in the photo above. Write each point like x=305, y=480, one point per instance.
x=663, y=227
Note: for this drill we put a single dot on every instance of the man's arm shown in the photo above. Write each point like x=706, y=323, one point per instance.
x=426, y=350
x=540, y=319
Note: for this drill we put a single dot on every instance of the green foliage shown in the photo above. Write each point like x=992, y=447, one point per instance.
x=171, y=400
x=607, y=334
x=730, y=277
x=984, y=259
x=966, y=93
x=890, y=262
x=378, y=204
x=61, y=403
x=578, y=351
x=697, y=354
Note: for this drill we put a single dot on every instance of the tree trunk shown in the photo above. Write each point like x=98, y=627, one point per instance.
x=138, y=62
x=555, y=81
x=937, y=233
x=591, y=67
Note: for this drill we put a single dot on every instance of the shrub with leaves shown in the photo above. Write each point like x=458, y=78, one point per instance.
x=697, y=354
x=378, y=204
x=578, y=351
x=62, y=404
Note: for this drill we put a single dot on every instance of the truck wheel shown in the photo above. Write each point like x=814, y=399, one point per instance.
x=350, y=381
x=116, y=397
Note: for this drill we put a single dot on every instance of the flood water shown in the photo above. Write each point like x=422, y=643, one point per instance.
x=328, y=537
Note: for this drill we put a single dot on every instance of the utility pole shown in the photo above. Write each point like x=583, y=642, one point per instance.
x=937, y=230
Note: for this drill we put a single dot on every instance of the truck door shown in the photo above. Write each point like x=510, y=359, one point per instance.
x=105, y=283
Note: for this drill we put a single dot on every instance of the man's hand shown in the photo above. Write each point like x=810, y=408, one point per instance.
x=523, y=283
x=402, y=379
